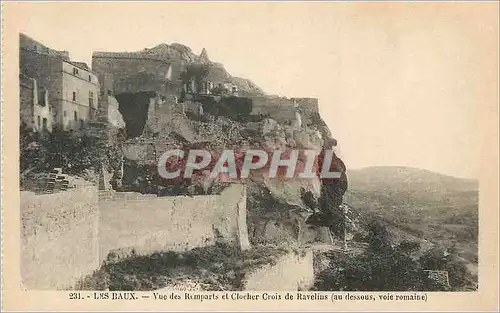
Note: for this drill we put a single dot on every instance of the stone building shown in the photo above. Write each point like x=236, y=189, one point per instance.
x=148, y=70
x=194, y=107
x=35, y=109
x=214, y=79
x=108, y=108
x=72, y=87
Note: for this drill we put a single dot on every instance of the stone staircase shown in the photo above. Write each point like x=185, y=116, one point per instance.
x=51, y=183
x=56, y=181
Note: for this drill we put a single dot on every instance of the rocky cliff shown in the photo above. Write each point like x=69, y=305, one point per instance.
x=277, y=209
x=282, y=204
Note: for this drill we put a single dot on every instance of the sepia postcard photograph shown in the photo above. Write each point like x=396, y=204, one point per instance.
x=269, y=156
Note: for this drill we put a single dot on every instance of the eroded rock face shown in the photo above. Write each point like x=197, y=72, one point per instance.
x=271, y=200
x=115, y=118
x=294, y=124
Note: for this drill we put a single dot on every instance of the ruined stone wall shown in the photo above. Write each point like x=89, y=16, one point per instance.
x=147, y=113
x=279, y=109
x=27, y=100
x=59, y=237
x=310, y=104
x=235, y=108
x=47, y=70
x=308, y=109
x=113, y=115
x=138, y=83
x=162, y=112
x=109, y=120
x=127, y=66
x=166, y=117
x=147, y=224
x=292, y=272
x=67, y=235
x=28, y=43
x=285, y=109
x=134, y=74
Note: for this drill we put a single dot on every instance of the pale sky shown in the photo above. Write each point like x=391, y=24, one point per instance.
x=398, y=84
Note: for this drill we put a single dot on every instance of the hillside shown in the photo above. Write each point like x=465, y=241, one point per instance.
x=408, y=178
x=418, y=203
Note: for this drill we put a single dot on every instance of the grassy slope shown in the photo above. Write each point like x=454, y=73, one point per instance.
x=419, y=204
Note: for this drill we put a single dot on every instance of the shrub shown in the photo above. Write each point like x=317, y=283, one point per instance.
x=74, y=154
x=387, y=267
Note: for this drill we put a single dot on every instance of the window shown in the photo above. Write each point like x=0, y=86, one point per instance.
x=90, y=78
x=65, y=114
x=91, y=98
x=75, y=71
x=38, y=120
x=76, y=116
x=41, y=97
x=74, y=96
x=44, y=123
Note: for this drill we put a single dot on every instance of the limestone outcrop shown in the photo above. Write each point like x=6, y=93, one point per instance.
x=161, y=109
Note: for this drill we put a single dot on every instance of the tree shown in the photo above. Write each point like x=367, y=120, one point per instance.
x=379, y=237
x=74, y=154
x=381, y=267
x=332, y=192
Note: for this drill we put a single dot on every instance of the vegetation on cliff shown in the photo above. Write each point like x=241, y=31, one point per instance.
x=419, y=205
x=76, y=154
x=385, y=266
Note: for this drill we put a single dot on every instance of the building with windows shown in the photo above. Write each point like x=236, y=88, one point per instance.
x=72, y=87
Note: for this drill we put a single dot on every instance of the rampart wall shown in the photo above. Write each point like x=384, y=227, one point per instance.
x=59, y=237
x=148, y=224
x=66, y=236
x=284, y=109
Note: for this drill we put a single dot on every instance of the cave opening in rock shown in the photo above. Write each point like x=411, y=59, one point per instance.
x=134, y=109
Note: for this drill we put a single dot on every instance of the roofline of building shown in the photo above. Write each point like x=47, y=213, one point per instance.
x=88, y=69
x=73, y=63
x=80, y=64
x=128, y=55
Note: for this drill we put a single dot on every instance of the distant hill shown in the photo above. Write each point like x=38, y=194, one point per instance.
x=418, y=203
x=389, y=184
x=409, y=179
